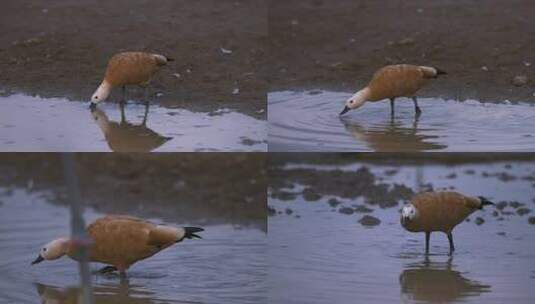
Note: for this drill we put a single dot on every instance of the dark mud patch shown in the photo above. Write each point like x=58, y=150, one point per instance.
x=163, y=185
x=360, y=183
x=369, y=221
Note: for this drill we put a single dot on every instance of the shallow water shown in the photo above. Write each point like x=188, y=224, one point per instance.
x=227, y=266
x=55, y=124
x=309, y=121
x=319, y=255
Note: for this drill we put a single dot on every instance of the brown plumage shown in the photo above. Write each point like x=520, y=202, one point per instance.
x=120, y=241
x=393, y=81
x=128, y=68
x=439, y=211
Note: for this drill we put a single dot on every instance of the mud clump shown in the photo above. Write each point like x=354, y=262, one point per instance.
x=523, y=211
x=283, y=195
x=515, y=204
x=369, y=221
x=311, y=195
x=501, y=205
x=271, y=211
x=346, y=210
x=363, y=209
x=333, y=202
x=531, y=220
x=479, y=220
x=288, y=211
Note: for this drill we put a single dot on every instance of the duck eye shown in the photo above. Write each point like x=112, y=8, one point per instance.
x=44, y=249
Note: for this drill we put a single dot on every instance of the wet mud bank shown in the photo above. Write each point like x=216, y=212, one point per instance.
x=338, y=45
x=218, y=47
x=166, y=186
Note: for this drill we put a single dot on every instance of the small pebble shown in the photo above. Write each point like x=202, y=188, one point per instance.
x=225, y=51
x=531, y=220
x=520, y=80
x=479, y=221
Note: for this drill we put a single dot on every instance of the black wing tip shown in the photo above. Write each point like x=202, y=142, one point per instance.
x=190, y=232
x=169, y=59
x=440, y=72
x=485, y=201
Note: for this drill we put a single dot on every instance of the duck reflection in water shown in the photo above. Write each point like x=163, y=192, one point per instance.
x=392, y=136
x=113, y=293
x=437, y=282
x=125, y=136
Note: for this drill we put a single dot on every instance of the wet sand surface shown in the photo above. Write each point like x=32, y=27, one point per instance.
x=56, y=124
x=334, y=232
x=218, y=47
x=310, y=121
x=338, y=45
x=227, y=266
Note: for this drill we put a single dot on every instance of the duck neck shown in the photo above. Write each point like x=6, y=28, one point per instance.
x=361, y=97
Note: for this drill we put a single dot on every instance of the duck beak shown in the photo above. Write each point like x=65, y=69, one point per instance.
x=344, y=110
x=38, y=260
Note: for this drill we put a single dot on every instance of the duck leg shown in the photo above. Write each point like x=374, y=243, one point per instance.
x=107, y=269
x=146, y=114
x=416, y=107
x=450, y=238
x=124, y=94
x=123, y=116
x=427, y=237
x=392, y=106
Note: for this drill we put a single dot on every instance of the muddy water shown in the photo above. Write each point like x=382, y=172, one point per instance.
x=318, y=254
x=35, y=124
x=227, y=266
x=309, y=121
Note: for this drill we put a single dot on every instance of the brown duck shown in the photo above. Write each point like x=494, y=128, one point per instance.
x=439, y=211
x=120, y=241
x=391, y=82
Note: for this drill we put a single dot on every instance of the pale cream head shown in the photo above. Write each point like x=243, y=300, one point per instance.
x=357, y=100
x=102, y=92
x=53, y=250
x=408, y=213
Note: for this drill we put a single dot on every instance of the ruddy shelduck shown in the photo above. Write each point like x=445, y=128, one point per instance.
x=439, y=211
x=128, y=68
x=119, y=241
x=391, y=82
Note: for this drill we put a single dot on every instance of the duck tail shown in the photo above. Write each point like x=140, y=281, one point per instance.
x=190, y=232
